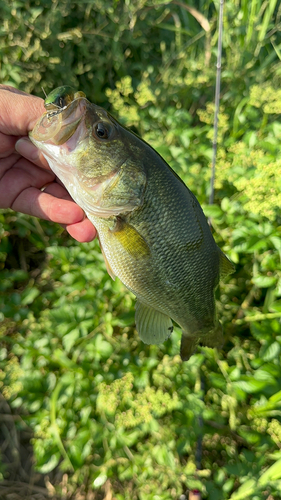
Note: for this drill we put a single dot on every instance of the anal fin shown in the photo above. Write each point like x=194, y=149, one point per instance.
x=153, y=326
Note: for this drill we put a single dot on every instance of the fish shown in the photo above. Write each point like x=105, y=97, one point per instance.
x=152, y=230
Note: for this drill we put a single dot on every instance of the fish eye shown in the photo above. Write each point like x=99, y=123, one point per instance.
x=103, y=130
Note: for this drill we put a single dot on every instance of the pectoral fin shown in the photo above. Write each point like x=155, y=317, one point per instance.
x=130, y=239
x=153, y=326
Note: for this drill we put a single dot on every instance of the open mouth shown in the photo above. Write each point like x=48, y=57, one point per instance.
x=57, y=126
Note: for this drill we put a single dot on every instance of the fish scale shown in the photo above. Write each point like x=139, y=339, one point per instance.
x=152, y=231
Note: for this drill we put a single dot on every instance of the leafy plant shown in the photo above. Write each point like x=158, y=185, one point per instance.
x=108, y=411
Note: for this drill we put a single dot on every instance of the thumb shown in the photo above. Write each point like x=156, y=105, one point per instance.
x=19, y=111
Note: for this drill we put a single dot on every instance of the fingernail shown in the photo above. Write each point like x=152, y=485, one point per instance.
x=27, y=149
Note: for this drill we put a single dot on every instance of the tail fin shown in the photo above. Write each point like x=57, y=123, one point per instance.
x=188, y=346
x=214, y=338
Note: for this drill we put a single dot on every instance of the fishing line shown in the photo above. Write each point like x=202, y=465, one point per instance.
x=217, y=104
x=199, y=448
x=44, y=92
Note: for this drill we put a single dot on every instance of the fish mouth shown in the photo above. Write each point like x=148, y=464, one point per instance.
x=56, y=127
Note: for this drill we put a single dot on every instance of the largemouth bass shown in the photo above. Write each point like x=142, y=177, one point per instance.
x=152, y=231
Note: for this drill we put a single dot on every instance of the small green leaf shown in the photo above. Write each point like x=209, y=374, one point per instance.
x=251, y=385
x=99, y=481
x=271, y=474
x=29, y=295
x=270, y=352
x=70, y=338
x=213, y=211
x=245, y=490
x=264, y=281
x=50, y=464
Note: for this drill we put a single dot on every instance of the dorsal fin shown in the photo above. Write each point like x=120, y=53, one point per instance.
x=226, y=267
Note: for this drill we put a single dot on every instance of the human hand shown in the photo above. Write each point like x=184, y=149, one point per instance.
x=24, y=172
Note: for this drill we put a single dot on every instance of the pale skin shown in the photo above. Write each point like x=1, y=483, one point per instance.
x=27, y=184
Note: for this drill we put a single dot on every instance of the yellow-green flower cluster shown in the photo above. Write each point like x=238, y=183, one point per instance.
x=274, y=430
x=111, y=397
x=266, y=97
x=254, y=174
x=131, y=407
x=127, y=102
x=10, y=383
x=121, y=99
x=263, y=190
x=207, y=116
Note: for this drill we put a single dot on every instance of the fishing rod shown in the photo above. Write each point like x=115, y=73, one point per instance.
x=195, y=494
x=217, y=104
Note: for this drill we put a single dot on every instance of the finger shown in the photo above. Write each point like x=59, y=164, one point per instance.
x=19, y=177
x=19, y=112
x=25, y=147
x=7, y=145
x=83, y=231
x=57, y=190
x=34, y=202
x=20, y=189
x=12, y=89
